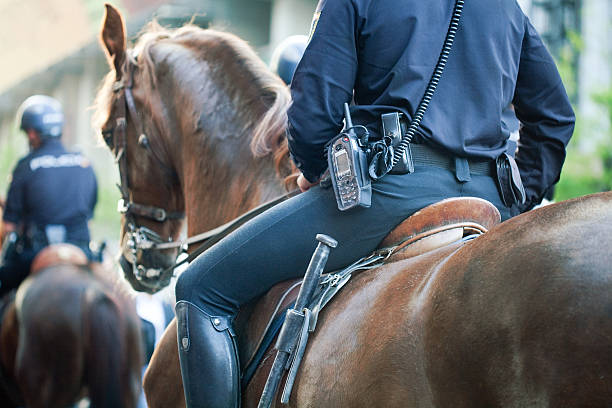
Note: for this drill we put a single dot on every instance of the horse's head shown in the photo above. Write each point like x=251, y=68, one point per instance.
x=188, y=114
x=131, y=116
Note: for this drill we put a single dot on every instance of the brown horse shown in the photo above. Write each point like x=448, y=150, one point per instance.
x=517, y=317
x=68, y=334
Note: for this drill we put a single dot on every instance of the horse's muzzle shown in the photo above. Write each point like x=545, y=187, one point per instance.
x=150, y=280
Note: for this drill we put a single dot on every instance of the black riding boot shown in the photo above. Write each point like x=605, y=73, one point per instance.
x=209, y=359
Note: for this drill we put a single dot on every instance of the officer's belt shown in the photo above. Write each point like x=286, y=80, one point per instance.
x=427, y=156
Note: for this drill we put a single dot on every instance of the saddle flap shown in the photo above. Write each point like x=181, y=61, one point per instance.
x=472, y=213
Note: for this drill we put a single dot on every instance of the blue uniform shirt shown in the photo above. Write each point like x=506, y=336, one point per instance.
x=53, y=186
x=381, y=54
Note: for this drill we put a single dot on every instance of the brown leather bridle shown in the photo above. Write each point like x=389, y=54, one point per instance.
x=137, y=237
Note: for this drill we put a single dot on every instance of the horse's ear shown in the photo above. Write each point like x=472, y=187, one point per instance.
x=113, y=38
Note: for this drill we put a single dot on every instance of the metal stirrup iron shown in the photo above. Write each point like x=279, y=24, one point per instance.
x=295, y=321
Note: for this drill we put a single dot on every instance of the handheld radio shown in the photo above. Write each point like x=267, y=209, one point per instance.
x=348, y=168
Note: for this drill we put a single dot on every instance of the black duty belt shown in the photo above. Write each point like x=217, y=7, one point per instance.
x=427, y=156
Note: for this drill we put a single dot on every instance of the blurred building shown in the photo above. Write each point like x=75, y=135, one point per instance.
x=59, y=54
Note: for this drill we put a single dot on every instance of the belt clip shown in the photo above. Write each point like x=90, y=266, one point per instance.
x=392, y=129
x=462, y=169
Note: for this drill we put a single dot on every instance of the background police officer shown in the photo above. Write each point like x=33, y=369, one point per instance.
x=380, y=54
x=52, y=194
x=287, y=55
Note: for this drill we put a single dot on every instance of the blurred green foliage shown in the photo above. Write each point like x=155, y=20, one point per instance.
x=604, y=150
x=588, y=165
x=9, y=152
x=106, y=222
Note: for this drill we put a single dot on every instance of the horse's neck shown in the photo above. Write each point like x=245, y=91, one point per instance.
x=221, y=178
x=219, y=195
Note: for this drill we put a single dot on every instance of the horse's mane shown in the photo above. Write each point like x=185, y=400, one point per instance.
x=268, y=128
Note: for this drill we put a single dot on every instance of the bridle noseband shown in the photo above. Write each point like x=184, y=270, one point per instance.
x=137, y=238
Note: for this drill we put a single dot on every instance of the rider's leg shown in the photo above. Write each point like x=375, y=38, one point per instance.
x=209, y=359
x=273, y=247
x=277, y=246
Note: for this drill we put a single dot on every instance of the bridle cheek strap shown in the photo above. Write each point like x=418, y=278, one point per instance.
x=126, y=206
x=148, y=211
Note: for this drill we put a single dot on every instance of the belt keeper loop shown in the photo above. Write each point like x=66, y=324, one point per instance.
x=462, y=169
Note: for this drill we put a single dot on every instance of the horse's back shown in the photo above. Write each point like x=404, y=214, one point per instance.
x=367, y=347
x=522, y=316
x=517, y=317
x=49, y=366
x=75, y=331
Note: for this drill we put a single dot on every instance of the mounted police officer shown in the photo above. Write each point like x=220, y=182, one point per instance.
x=381, y=55
x=52, y=194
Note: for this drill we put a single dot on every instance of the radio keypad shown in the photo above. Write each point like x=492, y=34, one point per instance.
x=348, y=189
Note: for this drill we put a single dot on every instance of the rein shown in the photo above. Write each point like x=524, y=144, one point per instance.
x=213, y=236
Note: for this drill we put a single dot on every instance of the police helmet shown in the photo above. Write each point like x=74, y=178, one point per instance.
x=286, y=56
x=43, y=114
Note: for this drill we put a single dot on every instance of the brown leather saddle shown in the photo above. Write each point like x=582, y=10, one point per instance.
x=440, y=224
x=433, y=227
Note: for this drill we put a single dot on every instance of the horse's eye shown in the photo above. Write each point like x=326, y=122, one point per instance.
x=107, y=135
